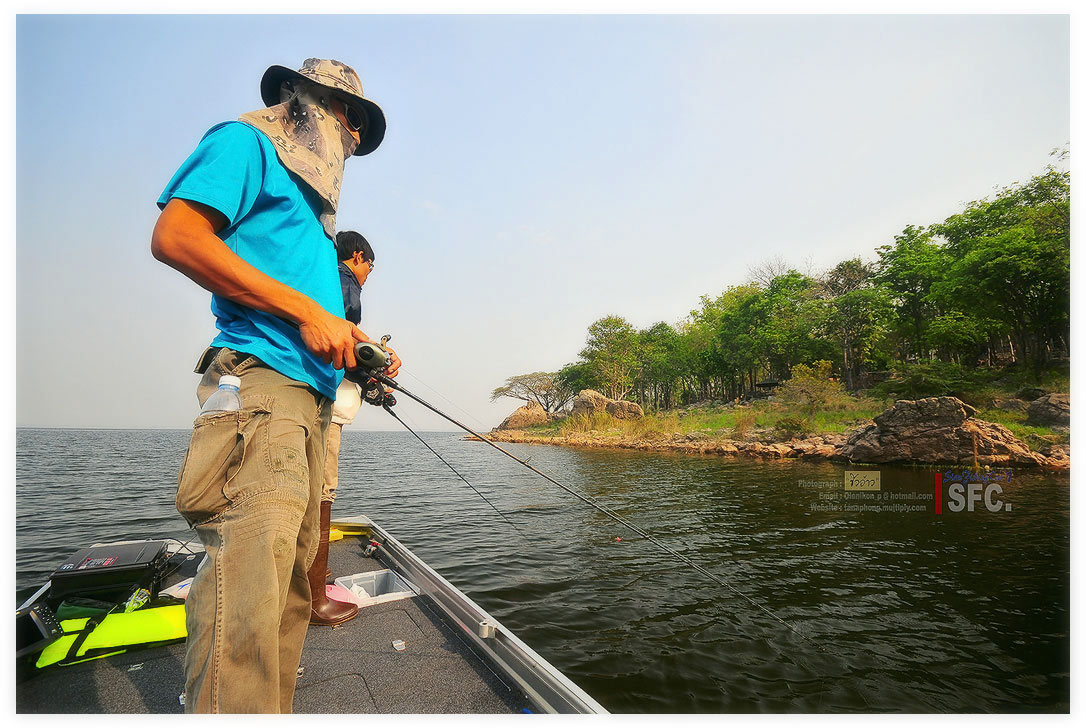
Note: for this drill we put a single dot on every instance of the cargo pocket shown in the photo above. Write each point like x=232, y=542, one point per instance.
x=221, y=444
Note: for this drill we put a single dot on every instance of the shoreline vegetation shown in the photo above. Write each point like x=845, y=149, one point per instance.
x=763, y=429
x=966, y=322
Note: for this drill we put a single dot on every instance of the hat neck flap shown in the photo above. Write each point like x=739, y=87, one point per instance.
x=312, y=144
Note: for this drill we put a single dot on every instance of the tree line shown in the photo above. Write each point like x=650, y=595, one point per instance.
x=987, y=287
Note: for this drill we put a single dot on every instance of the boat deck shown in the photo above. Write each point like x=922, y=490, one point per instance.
x=352, y=668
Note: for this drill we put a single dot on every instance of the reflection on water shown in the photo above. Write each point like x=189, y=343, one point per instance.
x=904, y=610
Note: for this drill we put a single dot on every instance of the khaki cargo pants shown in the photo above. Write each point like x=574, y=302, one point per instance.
x=332, y=441
x=250, y=484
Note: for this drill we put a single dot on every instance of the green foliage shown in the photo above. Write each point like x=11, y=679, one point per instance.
x=1011, y=258
x=611, y=353
x=546, y=388
x=860, y=319
x=988, y=286
x=789, y=427
x=792, y=323
x=959, y=333
x=744, y=421
x=811, y=389
x=1030, y=280
x=662, y=359
x=1036, y=436
x=1054, y=379
x=908, y=269
x=721, y=337
x=577, y=376
x=926, y=379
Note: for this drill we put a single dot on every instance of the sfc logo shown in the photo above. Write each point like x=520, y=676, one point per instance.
x=967, y=489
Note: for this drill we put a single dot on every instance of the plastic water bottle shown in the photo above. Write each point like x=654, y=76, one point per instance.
x=226, y=397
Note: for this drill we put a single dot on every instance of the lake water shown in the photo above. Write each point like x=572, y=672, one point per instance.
x=904, y=611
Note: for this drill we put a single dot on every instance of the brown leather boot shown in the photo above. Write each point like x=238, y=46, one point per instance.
x=326, y=611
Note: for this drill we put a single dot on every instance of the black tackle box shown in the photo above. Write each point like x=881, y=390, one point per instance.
x=111, y=568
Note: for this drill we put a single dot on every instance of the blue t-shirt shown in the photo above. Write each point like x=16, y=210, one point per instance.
x=274, y=225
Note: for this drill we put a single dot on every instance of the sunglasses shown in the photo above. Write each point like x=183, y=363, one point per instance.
x=356, y=120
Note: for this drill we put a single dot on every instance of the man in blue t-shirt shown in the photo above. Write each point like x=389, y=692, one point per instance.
x=250, y=216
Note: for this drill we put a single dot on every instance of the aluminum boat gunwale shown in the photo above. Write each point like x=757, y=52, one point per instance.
x=543, y=683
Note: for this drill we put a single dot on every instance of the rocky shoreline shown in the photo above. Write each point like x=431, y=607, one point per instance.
x=933, y=431
x=818, y=447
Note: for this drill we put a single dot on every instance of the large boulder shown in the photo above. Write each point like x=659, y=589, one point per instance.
x=623, y=410
x=1010, y=405
x=933, y=412
x=526, y=416
x=1051, y=409
x=1028, y=394
x=588, y=401
x=937, y=430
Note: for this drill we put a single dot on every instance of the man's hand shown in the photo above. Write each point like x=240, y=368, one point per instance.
x=185, y=238
x=332, y=338
x=394, y=366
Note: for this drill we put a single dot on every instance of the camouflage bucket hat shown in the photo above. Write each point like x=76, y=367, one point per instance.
x=336, y=76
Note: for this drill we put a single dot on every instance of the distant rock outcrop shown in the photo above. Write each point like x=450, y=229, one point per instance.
x=588, y=401
x=937, y=430
x=623, y=410
x=1051, y=409
x=530, y=414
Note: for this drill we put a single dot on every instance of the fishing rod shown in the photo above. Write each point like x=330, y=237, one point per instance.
x=374, y=359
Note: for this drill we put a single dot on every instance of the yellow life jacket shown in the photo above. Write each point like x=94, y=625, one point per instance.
x=88, y=639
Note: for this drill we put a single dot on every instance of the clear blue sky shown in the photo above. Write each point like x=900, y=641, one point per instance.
x=539, y=172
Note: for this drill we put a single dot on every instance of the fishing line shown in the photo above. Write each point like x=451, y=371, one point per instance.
x=602, y=509
x=374, y=358
x=519, y=451
x=467, y=414
x=435, y=452
x=457, y=407
x=470, y=416
x=535, y=531
x=380, y=376
x=184, y=544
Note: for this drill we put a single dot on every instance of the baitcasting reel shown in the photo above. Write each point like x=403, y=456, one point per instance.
x=373, y=359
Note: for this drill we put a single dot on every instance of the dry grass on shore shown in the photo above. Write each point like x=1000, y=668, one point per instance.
x=732, y=422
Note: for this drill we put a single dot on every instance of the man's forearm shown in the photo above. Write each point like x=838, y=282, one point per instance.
x=185, y=240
